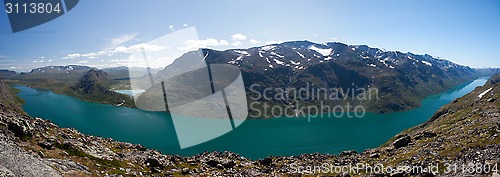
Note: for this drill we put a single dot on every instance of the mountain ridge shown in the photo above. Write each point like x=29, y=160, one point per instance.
x=403, y=79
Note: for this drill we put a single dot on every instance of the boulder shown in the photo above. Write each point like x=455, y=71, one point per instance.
x=46, y=145
x=185, y=171
x=348, y=153
x=429, y=134
x=402, y=142
x=374, y=156
x=153, y=163
x=212, y=163
x=20, y=128
x=229, y=164
x=266, y=161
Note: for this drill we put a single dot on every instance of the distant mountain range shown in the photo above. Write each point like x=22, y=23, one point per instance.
x=83, y=82
x=402, y=79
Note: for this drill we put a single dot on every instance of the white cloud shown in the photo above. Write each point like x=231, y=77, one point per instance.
x=3, y=56
x=238, y=37
x=82, y=61
x=130, y=49
x=119, y=49
x=197, y=44
x=171, y=27
x=71, y=56
x=253, y=41
x=39, y=61
x=185, y=25
x=42, y=57
x=91, y=55
x=223, y=42
x=236, y=43
x=122, y=39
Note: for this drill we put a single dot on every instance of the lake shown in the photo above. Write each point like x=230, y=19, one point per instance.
x=253, y=139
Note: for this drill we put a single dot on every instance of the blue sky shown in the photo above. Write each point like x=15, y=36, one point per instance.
x=465, y=32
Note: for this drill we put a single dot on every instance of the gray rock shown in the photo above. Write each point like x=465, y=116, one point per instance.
x=376, y=155
x=46, y=145
x=212, y=163
x=152, y=163
x=4, y=172
x=429, y=134
x=20, y=128
x=348, y=153
x=22, y=163
x=402, y=142
x=185, y=171
x=67, y=165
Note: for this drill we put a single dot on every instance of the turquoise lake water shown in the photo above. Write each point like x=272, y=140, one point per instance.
x=253, y=139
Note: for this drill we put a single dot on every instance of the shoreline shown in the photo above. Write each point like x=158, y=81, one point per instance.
x=257, y=118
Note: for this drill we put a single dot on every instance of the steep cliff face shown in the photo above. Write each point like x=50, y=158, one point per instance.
x=7, y=99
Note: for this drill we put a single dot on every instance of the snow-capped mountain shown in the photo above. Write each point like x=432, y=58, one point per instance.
x=299, y=55
x=402, y=79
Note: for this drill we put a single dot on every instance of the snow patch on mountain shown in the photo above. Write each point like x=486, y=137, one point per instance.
x=267, y=48
x=242, y=52
x=300, y=54
x=278, y=55
x=295, y=63
x=237, y=60
x=279, y=62
x=427, y=63
x=324, y=52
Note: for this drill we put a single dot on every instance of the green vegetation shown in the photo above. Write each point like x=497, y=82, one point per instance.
x=69, y=82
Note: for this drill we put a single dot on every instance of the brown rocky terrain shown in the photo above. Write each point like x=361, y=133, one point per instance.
x=461, y=133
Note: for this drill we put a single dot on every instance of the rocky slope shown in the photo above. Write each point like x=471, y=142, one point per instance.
x=465, y=131
x=8, y=99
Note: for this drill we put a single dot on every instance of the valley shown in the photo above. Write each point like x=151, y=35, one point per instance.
x=435, y=143
x=395, y=81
